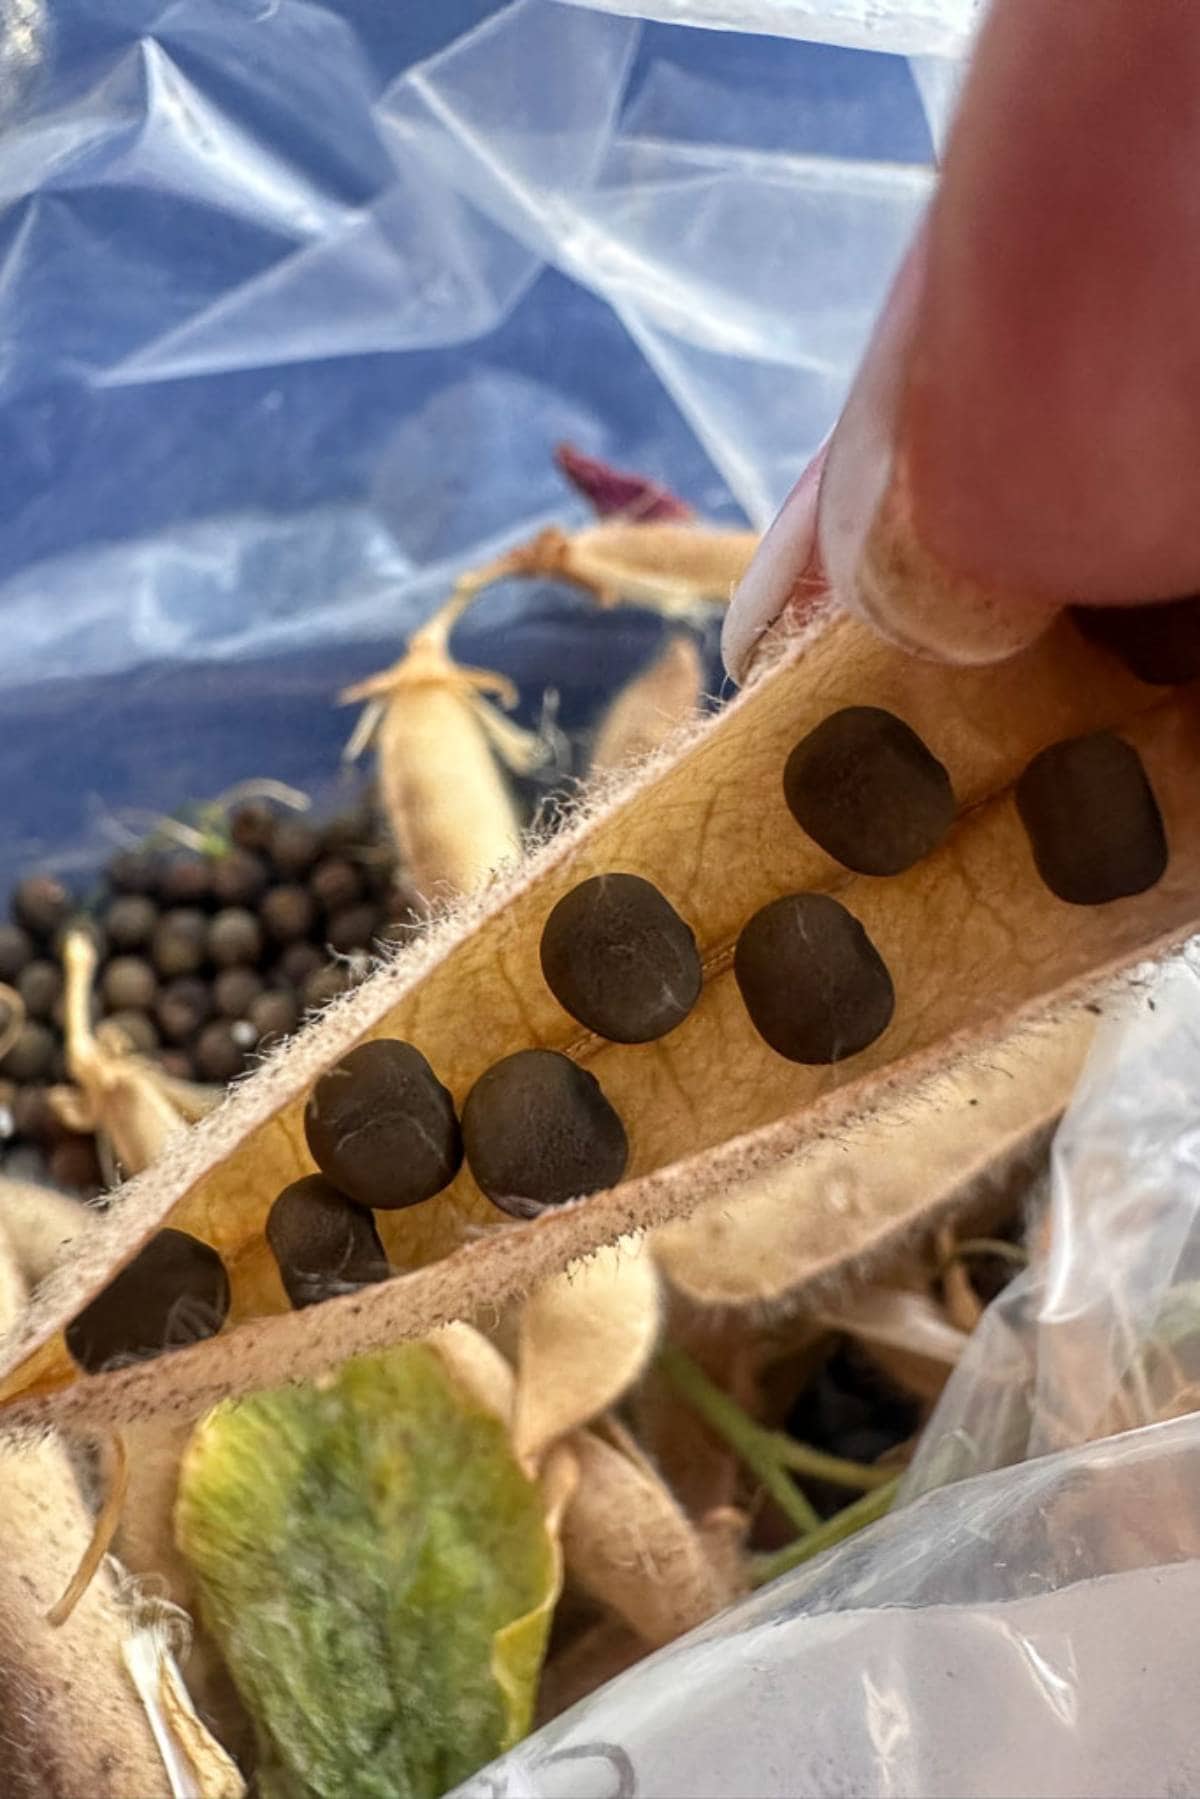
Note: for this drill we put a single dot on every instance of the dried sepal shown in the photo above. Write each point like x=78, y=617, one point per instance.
x=676, y=568
x=610, y=490
x=584, y=1338
x=650, y=708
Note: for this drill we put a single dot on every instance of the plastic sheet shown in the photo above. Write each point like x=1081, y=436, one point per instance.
x=295, y=299
x=1025, y=1630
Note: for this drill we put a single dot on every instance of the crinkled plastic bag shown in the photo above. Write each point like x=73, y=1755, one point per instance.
x=295, y=299
x=1026, y=1630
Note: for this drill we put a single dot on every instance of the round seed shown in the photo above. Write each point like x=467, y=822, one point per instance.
x=1092, y=820
x=251, y=824
x=294, y=847
x=323, y=1243
x=298, y=962
x=130, y=921
x=138, y=1029
x=618, y=957
x=41, y=904
x=288, y=912
x=133, y=871
x=16, y=949
x=179, y=945
x=40, y=985
x=538, y=1130
x=175, y=1292
x=274, y=1015
x=327, y=983
x=185, y=880
x=34, y=1118
x=381, y=1126
x=867, y=790
x=32, y=1056
x=1160, y=644
x=239, y=878
x=129, y=984
x=182, y=1008
x=218, y=1054
x=235, y=991
x=352, y=928
x=335, y=884
x=814, y=984
x=234, y=938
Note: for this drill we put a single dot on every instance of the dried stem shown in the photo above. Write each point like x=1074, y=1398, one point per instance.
x=108, y=1520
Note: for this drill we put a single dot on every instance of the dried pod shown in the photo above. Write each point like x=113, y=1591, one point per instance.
x=294, y=846
x=40, y=986
x=41, y=904
x=617, y=956
x=335, y=884
x=16, y=949
x=234, y=938
x=1093, y=822
x=239, y=878
x=129, y=922
x=288, y=912
x=651, y=707
x=180, y=941
x=538, y=1130
x=182, y=1008
x=129, y=984
x=175, y=1291
x=866, y=788
x=185, y=880
x=815, y=986
x=1159, y=644
x=235, y=991
x=323, y=1243
x=381, y=1126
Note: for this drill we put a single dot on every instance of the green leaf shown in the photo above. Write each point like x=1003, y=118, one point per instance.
x=379, y=1575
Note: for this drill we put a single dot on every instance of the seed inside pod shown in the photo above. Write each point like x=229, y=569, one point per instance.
x=538, y=1130
x=217, y=1053
x=129, y=985
x=238, y=878
x=32, y=1056
x=1160, y=644
x=234, y=938
x=288, y=912
x=174, y=1292
x=41, y=904
x=814, y=984
x=180, y=940
x=618, y=957
x=16, y=949
x=1092, y=820
x=40, y=985
x=867, y=790
x=323, y=1243
x=130, y=921
x=381, y=1126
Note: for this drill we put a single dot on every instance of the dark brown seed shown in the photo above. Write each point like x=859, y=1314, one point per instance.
x=1092, y=819
x=8, y=1101
x=235, y=938
x=137, y=1029
x=130, y=921
x=175, y=1292
x=40, y=985
x=41, y=904
x=538, y=1130
x=814, y=984
x=295, y=846
x=235, y=991
x=323, y=1243
x=180, y=941
x=335, y=884
x=177, y=1063
x=239, y=878
x=352, y=928
x=381, y=1126
x=16, y=949
x=867, y=790
x=35, y=1119
x=1160, y=644
x=217, y=1053
x=288, y=913
x=182, y=1008
x=185, y=880
x=133, y=871
x=274, y=1015
x=351, y=831
x=74, y=1163
x=298, y=962
x=618, y=957
x=379, y=876
x=251, y=824
x=327, y=983
x=129, y=984
x=32, y=1056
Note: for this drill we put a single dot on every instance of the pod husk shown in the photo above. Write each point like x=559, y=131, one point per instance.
x=977, y=947
x=650, y=708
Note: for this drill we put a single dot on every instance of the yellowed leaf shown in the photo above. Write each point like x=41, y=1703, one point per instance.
x=584, y=1337
x=977, y=946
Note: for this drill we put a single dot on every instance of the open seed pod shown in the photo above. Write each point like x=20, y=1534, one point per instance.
x=935, y=965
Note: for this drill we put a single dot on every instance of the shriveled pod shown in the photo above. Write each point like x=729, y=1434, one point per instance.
x=976, y=948
x=650, y=708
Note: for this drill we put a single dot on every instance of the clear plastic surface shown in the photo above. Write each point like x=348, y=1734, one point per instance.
x=296, y=298
x=1025, y=1630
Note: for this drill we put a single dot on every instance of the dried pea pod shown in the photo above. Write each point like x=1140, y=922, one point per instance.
x=650, y=708
x=977, y=946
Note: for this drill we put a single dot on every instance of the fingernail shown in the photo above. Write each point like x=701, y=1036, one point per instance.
x=784, y=576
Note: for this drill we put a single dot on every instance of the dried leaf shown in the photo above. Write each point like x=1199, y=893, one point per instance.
x=977, y=946
x=584, y=1338
x=379, y=1574
x=628, y=1544
x=610, y=490
x=650, y=708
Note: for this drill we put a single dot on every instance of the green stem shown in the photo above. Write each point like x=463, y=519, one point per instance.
x=861, y=1477
x=765, y=1568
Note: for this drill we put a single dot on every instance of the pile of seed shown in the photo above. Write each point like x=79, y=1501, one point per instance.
x=205, y=961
